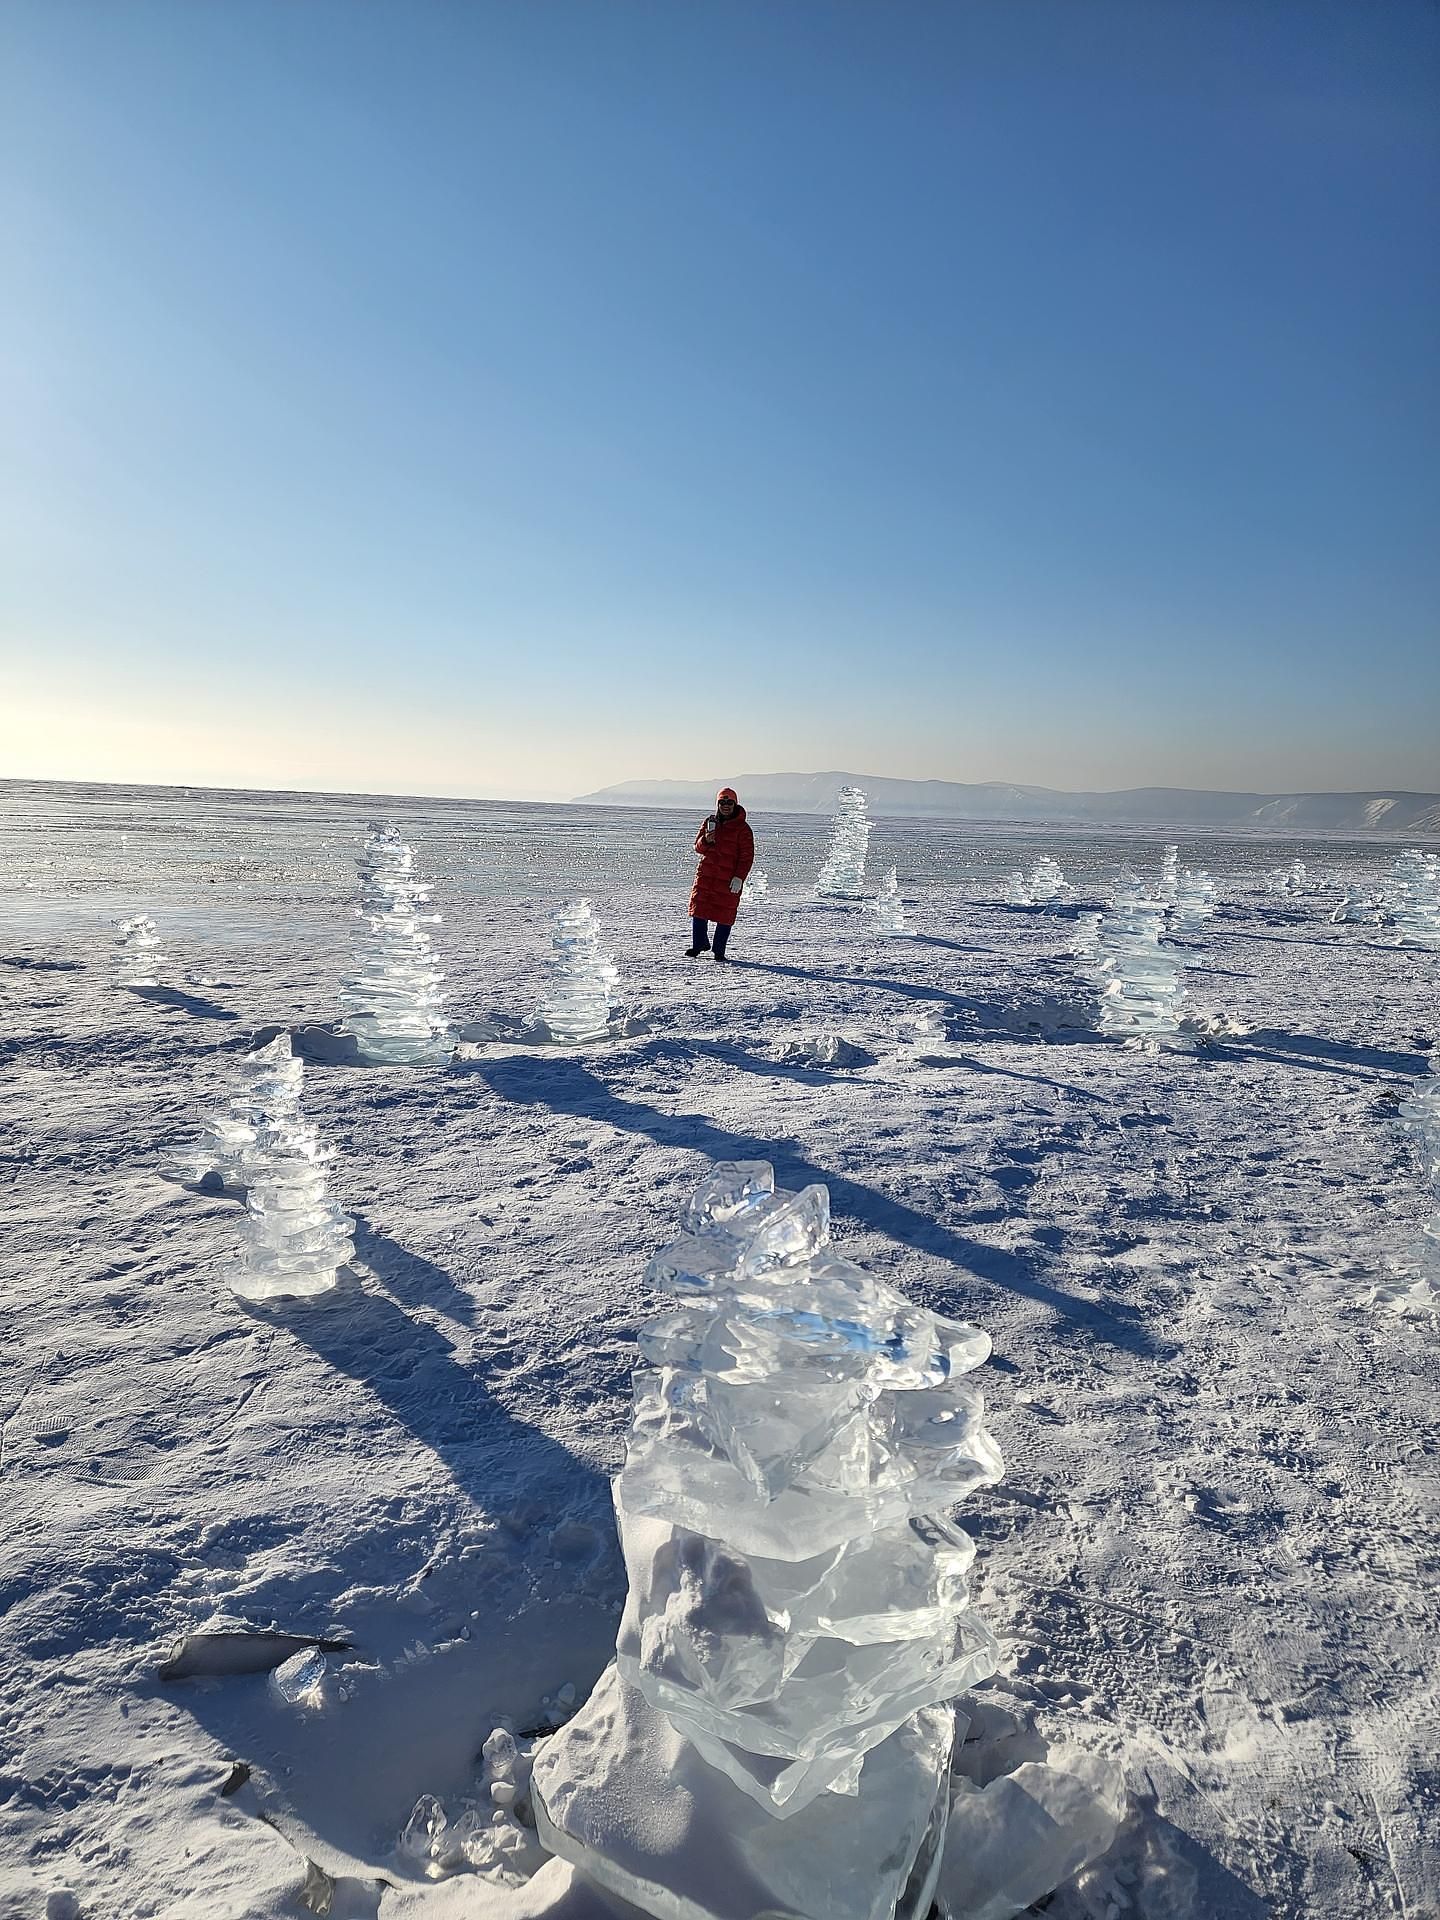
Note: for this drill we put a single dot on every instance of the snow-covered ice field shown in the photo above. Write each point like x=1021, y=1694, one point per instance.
x=1214, y=1549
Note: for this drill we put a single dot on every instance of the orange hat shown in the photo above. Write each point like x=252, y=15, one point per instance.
x=727, y=793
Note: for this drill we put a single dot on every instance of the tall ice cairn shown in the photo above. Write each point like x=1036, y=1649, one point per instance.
x=1041, y=887
x=1415, y=899
x=779, y=1711
x=1138, y=979
x=843, y=874
x=580, y=1003
x=138, y=954
x=267, y=1085
x=296, y=1238
x=394, y=997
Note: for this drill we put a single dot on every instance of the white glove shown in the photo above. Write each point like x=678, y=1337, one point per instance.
x=736, y=885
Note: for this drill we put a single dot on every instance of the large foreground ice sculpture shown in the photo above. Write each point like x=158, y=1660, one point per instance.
x=1139, y=980
x=843, y=874
x=267, y=1086
x=580, y=1004
x=295, y=1239
x=138, y=956
x=394, y=997
x=775, y=1734
x=890, y=908
x=1415, y=899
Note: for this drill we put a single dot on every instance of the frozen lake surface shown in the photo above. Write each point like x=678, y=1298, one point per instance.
x=1215, y=1549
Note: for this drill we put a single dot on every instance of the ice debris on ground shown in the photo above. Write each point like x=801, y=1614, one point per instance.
x=138, y=956
x=843, y=874
x=1415, y=899
x=889, y=908
x=798, y=1613
x=1041, y=887
x=1194, y=901
x=394, y=996
x=491, y=1833
x=580, y=1004
x=1012, y=1842
x=1288, y=883
x=295, y=1237
x=1138, y=979
x=824, y=1050
x=268, y=1083
x=300, y=1680
x=757, y=884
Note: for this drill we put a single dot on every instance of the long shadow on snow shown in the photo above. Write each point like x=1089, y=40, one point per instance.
x=565, y=1086
x=409, y=1276
x=411, y=1368
x=986, y=1017
x=1334, y=1056
x=190, y=1003
x=981, y=1066
x=743, y=1062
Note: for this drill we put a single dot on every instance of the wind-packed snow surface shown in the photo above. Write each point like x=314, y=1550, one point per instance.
x=1210, y=1565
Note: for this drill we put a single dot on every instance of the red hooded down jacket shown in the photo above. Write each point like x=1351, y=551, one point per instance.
x=729, y=856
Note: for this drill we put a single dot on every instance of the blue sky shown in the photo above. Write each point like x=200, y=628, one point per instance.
x=470, y=398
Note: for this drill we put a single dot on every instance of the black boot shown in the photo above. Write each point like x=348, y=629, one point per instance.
x=690, y=952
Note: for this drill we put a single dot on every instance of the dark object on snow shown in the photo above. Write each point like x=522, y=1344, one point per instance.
x=239, y=1650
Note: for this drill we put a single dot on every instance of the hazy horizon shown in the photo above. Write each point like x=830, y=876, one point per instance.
x=511, y=402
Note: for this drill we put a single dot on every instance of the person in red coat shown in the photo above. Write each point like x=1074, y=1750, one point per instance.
x=726, y=848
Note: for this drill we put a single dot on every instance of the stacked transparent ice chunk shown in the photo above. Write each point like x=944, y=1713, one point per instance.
x=1357, y=906
x=1193, y=902
x=295, y=1238
x=1041, y=887
x=580, y=1002
x=1415, y=899
x=1138, y=978
x=139, y=955
x=843, y=874
x=1288, y=883
x=394, y=995
x=890, y=908
x=1169, y=887
x=267, y=1084
x=798, y=1610
x=757, y=884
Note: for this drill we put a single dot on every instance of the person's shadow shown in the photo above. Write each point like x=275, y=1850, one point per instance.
x=565, y=1086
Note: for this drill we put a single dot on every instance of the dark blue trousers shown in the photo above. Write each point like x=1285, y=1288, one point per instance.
x=700, y=930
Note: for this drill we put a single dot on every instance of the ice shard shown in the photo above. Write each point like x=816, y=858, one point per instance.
x=798, y=1617
x=757, y=884
x=1017, y=889
x=1415, y=899
x=295, y=1238
x=394, y=996
x=138, y=956
x=1193, y=902
x=1138, y=978
x=843, y=874
x=580, y=1003
x=890, y=908
x=267, y=1087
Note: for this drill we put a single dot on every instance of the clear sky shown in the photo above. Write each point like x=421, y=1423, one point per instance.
x=443, y=396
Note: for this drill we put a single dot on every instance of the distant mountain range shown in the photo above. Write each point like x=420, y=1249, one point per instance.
x=1384, y=814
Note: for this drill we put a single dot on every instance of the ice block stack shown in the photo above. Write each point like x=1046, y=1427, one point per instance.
x=890, y=908
x=798, y=1618
x=267, y=1084
x=394, y=996
x=843, y=874
x=296, y=1239
x=1138, y=978
x=580, y=1004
